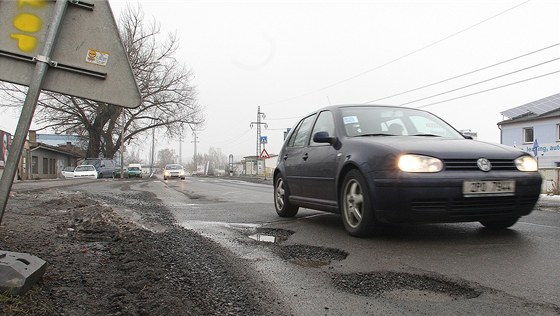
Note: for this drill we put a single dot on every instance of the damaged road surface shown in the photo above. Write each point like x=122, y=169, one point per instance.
x=209, y=246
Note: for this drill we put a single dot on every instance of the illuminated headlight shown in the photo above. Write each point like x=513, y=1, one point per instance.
x=417, y=163
x=166, y=173
x=182, y=172
x=526, y=163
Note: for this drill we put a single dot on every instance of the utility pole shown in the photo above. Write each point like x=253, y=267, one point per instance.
x=195, y=157
x=259, y=123
x=153, y=149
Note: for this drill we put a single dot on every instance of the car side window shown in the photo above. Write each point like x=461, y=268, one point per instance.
x=301, y=134
x=324, y=123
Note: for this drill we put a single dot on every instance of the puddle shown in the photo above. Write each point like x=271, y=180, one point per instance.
x=267, y=238
x=271, y=235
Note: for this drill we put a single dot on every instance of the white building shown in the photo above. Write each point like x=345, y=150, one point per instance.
x=535, y=128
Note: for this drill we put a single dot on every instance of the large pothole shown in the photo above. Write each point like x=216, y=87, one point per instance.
x=404, y=286
x=310, y=256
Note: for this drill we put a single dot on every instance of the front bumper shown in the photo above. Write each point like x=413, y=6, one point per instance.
x=439, y=198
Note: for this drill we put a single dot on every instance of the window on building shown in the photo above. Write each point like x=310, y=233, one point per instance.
x=45, y=165
x=528, y=136
x=557, y=132
x=35, y=165
x=52, y=166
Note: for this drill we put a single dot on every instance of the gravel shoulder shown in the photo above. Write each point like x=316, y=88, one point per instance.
x=99, y=263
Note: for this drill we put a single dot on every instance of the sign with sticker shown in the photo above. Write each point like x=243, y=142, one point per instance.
x=350, y=119
x=97, y=57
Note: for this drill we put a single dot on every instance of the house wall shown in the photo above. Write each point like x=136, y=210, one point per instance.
x=45, y=164
x=545, y=131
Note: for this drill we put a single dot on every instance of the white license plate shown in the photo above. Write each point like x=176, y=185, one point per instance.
x=501, y=187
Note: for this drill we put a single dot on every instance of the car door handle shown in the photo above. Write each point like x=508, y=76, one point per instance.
x=305, y=156
x=285, y=157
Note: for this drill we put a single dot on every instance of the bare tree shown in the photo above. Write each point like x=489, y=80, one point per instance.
x=166, y=156
x=169, y=100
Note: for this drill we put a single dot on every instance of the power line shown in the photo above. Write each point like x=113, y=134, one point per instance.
x=487, y=90
x=399, y=58
x=480, y=82
x=464, y=74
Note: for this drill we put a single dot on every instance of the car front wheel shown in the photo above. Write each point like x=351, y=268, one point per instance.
x=500, y=224
x=281, y=203
x=357, y=213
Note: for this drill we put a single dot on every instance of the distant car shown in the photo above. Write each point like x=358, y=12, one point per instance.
x=381, y=164
x=117, y=173
x=134, y=170
x=85, y=171
x=67, y=172
x=105, y=167
x=173, y=171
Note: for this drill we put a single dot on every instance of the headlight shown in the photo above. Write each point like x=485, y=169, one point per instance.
x=182, y=172
x=526, y=163
x=166, y=173
x=417, y=163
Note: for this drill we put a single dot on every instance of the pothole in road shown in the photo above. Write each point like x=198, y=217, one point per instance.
x=310, y=256
x=271, y=235
x=404, y=286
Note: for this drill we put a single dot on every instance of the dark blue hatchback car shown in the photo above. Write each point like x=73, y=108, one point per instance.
x=383, y=164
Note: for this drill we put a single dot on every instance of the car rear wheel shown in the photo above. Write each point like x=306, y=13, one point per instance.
x=500, y=224
x=281, y=203
x=357, y=213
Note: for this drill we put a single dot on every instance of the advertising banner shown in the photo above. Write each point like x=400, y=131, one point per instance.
x=5, y=140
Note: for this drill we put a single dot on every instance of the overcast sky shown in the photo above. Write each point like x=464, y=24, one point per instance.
x=292, y=57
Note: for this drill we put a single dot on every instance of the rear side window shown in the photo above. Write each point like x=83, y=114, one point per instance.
x=301, y=134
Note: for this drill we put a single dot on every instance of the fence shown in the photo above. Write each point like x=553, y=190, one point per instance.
x=551, y=178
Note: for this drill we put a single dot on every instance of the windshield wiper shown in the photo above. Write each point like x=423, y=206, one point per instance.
x=376, y=134
x=429, y=135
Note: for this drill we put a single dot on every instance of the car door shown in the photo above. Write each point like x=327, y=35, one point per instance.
x=320, y=164
x=293, y=155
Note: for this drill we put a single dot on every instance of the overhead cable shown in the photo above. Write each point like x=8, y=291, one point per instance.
x=487, y=90
x=464, y=74
x=401, y=57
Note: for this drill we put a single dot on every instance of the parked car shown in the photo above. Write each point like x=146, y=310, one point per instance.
x=382, y=164
x=85, y=171
x=134, y=170
x=105, y=167
x=173, y=171
x=67, y=172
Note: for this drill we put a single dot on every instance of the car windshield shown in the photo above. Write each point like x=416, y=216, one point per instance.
x=84, y=168
x=393, y=121
x=173, y=167
x=133, y=168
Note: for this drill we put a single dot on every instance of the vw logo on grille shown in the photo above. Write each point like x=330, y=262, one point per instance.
x=484, y=164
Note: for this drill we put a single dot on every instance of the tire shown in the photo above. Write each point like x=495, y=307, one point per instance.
x=500, y=224
x=164, y=178
x=355, y=206
x=281, y=202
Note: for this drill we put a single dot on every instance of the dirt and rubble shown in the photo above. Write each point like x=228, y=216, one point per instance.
x=101, y=264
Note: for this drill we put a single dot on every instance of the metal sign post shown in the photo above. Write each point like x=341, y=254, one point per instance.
x=26, y=116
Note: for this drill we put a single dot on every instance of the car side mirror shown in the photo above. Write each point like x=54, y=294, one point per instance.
x=324, y=137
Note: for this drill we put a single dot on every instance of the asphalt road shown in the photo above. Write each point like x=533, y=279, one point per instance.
x=522, y=262
x=513, y=272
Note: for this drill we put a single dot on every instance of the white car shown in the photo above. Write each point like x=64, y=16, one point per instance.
x=173, y=171
x=85, y=171
x=67, y=172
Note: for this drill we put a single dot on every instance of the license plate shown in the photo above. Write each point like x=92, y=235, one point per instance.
x=501, y=187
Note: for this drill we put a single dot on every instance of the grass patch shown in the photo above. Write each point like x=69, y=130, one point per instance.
x=31, y=303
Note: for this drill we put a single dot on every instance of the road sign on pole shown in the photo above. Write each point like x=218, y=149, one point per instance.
x=264, y=154
x=79, y=42
x=88, y=61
